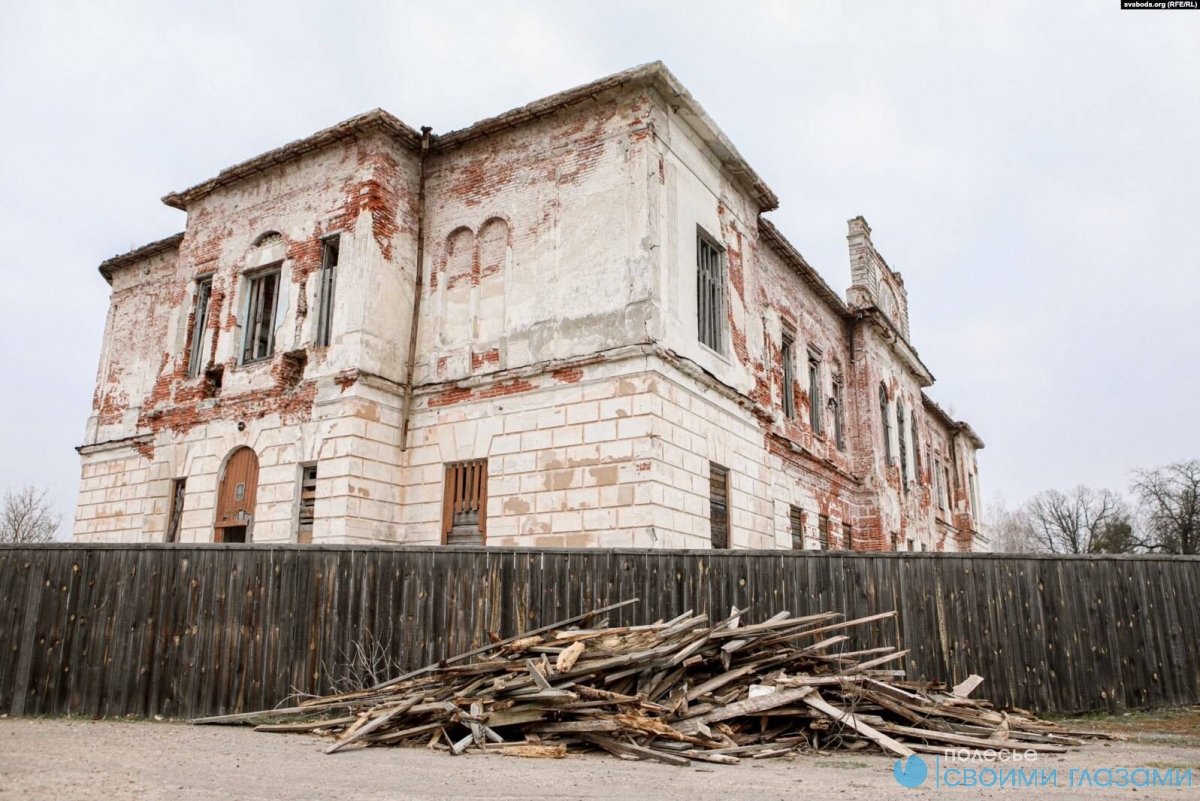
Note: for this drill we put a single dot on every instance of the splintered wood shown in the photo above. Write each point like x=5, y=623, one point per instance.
x=672, y=691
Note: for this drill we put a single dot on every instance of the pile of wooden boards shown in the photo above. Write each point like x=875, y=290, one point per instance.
x=671, y=691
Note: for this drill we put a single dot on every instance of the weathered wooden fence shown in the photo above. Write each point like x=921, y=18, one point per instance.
x=182, y=631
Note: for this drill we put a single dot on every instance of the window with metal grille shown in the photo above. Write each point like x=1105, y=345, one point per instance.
x=308, y=504
x=835, y=405
x=260, y=317
x=903, y=448
x=847, y=537
x=199, y=324
x=178, y=488
x=718, y=504
x=464, y=514
x=814, y=392
x=887, y=424
x=789, y=377
x=823, y=532
x=710, y=292
x=796, y=521
x=325, y=291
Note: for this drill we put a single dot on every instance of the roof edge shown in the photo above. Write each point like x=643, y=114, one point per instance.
x=653, y=74
x=372, y=120
x=780, y=244
x=137, y=254
x=954, y=425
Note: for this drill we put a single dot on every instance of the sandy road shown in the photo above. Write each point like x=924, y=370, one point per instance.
x=115, y=761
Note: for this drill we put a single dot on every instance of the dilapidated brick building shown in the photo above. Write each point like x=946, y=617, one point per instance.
x=566, y=325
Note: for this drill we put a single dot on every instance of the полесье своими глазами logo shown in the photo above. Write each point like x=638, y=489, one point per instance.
x=910, y=772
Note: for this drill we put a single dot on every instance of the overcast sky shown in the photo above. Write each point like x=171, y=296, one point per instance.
x=1032, y=168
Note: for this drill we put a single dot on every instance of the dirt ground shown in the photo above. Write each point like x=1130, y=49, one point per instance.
x=115, y=761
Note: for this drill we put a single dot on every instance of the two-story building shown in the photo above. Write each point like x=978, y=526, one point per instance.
x=566, y=325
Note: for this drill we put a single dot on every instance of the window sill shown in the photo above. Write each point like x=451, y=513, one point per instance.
x=714, y=353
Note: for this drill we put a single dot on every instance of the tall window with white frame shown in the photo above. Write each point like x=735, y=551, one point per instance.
x=199, y=324
x=328, y=281
x=710, y=292
x=788, y=356
x=814, y=392
x=887, y=424
x=260, y=317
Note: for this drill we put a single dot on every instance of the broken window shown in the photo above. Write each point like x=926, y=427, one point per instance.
x=325, y=290
x=178, y=486
x=308, y=504
x=718, y=505
x=260, y=317
x=835, y=404
x=887, y=424
x=464, y=516
x=947, y=490
x=796, y=523
x=710, y=292
x=789, y=378
x=903, y=448
x=814, y=392
x=823, y=532
x=847, y=537
x=199, y=324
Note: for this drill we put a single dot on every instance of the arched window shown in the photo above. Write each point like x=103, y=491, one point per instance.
x=887, y=424
x=900, y=434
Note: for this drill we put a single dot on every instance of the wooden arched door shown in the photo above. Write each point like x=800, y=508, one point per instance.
x=235, y=497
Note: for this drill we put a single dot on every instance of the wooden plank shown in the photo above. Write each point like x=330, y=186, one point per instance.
x=887, y=743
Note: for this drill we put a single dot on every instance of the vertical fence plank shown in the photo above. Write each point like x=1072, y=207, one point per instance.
x=184, y=631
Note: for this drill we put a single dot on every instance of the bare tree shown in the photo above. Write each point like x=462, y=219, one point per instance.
x=1008, y=530
x=1080, y=521
x=28, y=516
x=1170, y=504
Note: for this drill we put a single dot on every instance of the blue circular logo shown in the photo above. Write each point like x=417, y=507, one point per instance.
x=911, y=773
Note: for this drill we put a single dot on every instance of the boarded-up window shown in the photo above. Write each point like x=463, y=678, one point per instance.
x=887, y=424
x=260, y=317
x=199, y=324
x=464, y=514
x=796, y=524
x=308, y=504
x=937, y=484
x=916, y=445
x=789, y=377
x=178, y=486
x=847, y=537
x=823, y=532
x=814, y=392
x=710, y=292
x=325, y=291
x=718, y=504
x=835, y=404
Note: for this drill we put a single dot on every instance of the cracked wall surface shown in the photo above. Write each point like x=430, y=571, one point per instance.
x=556, y=338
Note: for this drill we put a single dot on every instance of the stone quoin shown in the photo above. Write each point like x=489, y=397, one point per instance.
x=568, y=325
